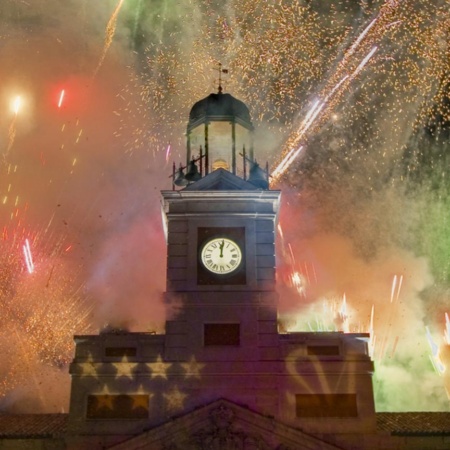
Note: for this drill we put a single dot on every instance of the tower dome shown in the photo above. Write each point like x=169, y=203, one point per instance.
x=220, y=129
x=220, y=107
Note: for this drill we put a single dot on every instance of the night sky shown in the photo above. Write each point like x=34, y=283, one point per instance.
x=95, y=98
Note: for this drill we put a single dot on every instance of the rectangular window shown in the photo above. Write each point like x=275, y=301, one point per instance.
x=120, y=352
x=131, y=406
x=326, y=405
x=322, y=350
x=221, y=334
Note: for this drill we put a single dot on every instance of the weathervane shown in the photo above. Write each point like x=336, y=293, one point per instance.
x=221, y=71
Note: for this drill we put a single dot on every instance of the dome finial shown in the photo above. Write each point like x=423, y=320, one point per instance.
x=221, y=71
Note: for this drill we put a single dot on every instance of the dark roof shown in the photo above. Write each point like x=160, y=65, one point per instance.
x=397, y=424
x=221, y=180
x=219, y=106
x=32, y=425
x=414, y=423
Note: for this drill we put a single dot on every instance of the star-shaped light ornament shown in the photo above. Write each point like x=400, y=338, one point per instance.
x=140, y=401
x=174, y=399
x=192, y=368
x=141, y=398
x=104, y=398
x=159, y=368
x=89, y=368
x=124, y=368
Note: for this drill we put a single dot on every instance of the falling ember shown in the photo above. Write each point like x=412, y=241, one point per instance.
x=168, y=153
x=17, y=103
x=28, y=257
x=61, y=98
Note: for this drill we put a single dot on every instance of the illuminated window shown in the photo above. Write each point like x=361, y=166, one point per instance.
x=221, y=334
x=120, y=352
x=323, y=350
x=326, y=405
x=134, y=406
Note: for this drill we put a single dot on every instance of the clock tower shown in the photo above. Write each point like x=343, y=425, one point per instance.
x=220, y=232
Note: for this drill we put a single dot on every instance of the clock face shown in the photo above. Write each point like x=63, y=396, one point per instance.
x=221, y=255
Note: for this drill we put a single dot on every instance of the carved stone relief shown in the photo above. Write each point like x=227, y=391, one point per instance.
x=223, y=434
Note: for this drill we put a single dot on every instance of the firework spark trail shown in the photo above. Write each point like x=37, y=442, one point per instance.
x=434, y=356
x=396, y=288
x=385, y=10
x=310, y=118
x=343, y=316
x=286, y=162
x=400, y=282
x=168, y=153
x=109, y=36
x=394, y=283
x=293, y=153
x=61, y=98
x=393, y=305
x=28, y=256
x=138, y=12
x=359, y=39
x=370, y=33
x=364, y=62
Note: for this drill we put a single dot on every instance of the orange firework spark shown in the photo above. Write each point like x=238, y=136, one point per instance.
x=110, y=31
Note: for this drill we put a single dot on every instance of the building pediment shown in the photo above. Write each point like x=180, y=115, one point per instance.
x=224, y=425
x=221, y=180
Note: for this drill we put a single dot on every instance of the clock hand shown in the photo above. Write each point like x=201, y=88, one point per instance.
x=221, y=248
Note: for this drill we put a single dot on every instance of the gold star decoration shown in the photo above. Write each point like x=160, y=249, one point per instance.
x=159, y=368
x=141, y=398
x=192, y=368
x=88, y=368
x=140, y=401
x=124, y=368
x=104, y=399
x=175, y=399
